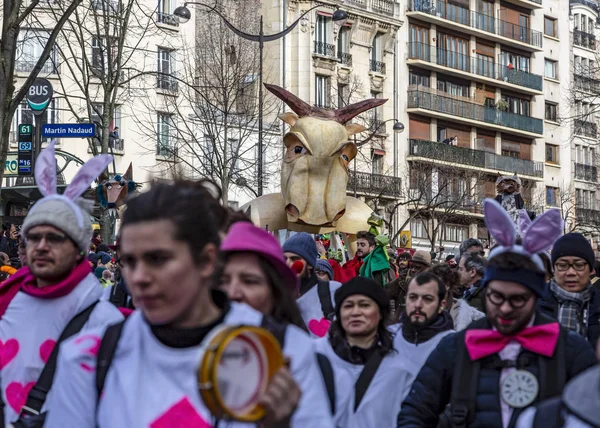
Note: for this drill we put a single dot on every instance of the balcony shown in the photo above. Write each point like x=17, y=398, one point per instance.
x=167, y=19
x=475, y=158
x=27, y=67
x=324, y=49
x=166, y=150
x=486, y=69
x=586, y=172
x=167, y=83
x=381, y=7
x=345, y=58
x=383, y=185
x=438, y=103
x=585, y=128
x=479, y=24
x=587, y=215
x=584, y=40
x=378, y=66
x=587, y=84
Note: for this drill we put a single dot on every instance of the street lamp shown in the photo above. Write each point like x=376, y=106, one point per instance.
x=184, y=15
x=398, y=128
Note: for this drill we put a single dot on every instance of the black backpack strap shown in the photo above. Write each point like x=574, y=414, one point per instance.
x=464, y=387
x=327, y=371
x=325, y=300
x=106, y=352
x=37, y=395
x=549, y=414
x=277, y=329
x=553, y=372
x=366, y=376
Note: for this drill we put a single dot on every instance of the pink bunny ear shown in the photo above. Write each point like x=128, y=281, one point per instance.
x=86, y=175
x=499, y=224
x=45, y=171
x=524, y=222
x=542, y=233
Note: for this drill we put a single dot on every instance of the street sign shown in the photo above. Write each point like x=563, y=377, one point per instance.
x=25, y=153
x=11, y=167
x=68, y=130
x=39, y=95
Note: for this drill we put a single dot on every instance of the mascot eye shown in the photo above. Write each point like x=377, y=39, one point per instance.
x=122, y=184
x=299, y=150
x=345, y=159
x=109, y=187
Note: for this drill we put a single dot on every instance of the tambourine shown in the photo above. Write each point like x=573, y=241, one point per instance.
x=237, y=366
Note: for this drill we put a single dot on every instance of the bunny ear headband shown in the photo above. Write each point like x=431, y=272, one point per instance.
x=45, y=177
x=536, y=236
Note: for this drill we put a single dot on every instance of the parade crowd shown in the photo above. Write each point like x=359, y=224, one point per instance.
x=93, y=335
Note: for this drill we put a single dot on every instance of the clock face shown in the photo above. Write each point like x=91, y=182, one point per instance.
x=519, y=389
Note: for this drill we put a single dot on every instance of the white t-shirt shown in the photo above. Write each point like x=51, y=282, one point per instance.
x=29, y=330
x=391, y=384
x=150, y=385
x=312, y=312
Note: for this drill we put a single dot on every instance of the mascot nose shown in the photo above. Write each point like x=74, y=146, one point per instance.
x=292, y=210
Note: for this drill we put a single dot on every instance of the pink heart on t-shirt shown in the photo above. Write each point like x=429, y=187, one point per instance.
x=181, y=415
x=46, y=349
x=16, y=394
x=8, y=351
x=319, y=328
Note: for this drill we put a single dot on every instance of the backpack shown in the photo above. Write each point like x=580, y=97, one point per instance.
x=549, y=414
x=325, y=299
x=109, y=343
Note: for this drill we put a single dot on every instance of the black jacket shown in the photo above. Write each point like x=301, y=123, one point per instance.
x=431, y=391
x=549, y=306
x=477, y=298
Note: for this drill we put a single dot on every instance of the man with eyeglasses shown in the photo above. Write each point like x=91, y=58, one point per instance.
x=501, y=364
x=572, y=298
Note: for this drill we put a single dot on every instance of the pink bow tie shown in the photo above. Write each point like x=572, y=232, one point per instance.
x=540, y=339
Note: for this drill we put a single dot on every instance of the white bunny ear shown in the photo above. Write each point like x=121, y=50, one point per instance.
x=524, y=222
x=499, y=224
x=542, y=233
x=86, y=175
x=45, y=171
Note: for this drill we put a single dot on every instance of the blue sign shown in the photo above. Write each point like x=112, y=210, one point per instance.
x=68, y=130
x=24, y=166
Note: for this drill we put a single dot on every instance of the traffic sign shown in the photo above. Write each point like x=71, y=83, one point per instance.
x=25, y=152
x=68, y=130
x=39, y=95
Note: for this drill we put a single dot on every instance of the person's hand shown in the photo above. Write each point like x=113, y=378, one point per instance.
x=321, y=248
x=280, y=399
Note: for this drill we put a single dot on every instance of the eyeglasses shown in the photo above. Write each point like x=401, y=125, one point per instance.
x=517, y=301
x=579, y=266
x=52, y=239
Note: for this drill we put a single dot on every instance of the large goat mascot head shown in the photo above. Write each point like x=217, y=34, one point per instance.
x=314, y=175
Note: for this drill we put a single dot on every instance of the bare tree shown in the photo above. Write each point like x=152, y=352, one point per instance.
x=16, y=15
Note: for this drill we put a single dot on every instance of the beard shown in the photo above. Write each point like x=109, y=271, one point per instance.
x=427, y=321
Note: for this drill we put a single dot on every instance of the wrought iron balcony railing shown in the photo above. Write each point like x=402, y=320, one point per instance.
x=585, y=128
x=587, y=84
x=345, y=58
x=586, y=172
x=476, y=158
x=325, y=49
x=588, y=216
x=167, y=83
x=166, y=150
x=445, y=104
x=377, y=184
x=477, y=20
x=27, y=67
x=583, y=39
x=167, y=18
x=478, y=66
x=378, y=66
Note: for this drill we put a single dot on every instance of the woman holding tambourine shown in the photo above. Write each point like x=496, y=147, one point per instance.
x=187, y=357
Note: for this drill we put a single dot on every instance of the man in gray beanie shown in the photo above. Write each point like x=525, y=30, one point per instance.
x=572, y=298
x=315, y=299
x=56, y=292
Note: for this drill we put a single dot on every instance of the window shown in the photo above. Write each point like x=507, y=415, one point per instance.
x=166, y=135
x=323, y=29
x=343, y=42
x=517, y=105
x=453, y=52
x=485, y=65
x=234, y=154
x=550, y=69
x=419, y=43
x=551, y=154
x=106, y=6
x=30, y=45
x=104, y=53
x=551, y=112
x=509, y=149
x=321, y=91
x=165, y=13
x=343, y=95
x=551, y=196
x=550, y=26
x=519, y=62
x=456, y=233
x=376, y=48
x=453, y=88
x=24, y=115
x=208, y=153
x=417, y=228
x=166, y=70
x=416, y=79
x=376, y=162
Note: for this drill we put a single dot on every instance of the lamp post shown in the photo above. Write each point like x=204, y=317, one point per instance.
x=184, y=15
x=398, y=129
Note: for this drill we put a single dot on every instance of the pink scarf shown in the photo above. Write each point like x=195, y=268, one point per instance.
x=25, y=281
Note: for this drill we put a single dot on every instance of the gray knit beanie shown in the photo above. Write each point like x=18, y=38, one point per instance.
x=64, y=214
x=304, y=245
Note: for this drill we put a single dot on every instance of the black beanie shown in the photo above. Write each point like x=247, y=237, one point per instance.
x=366, y=287
x=573, y=245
